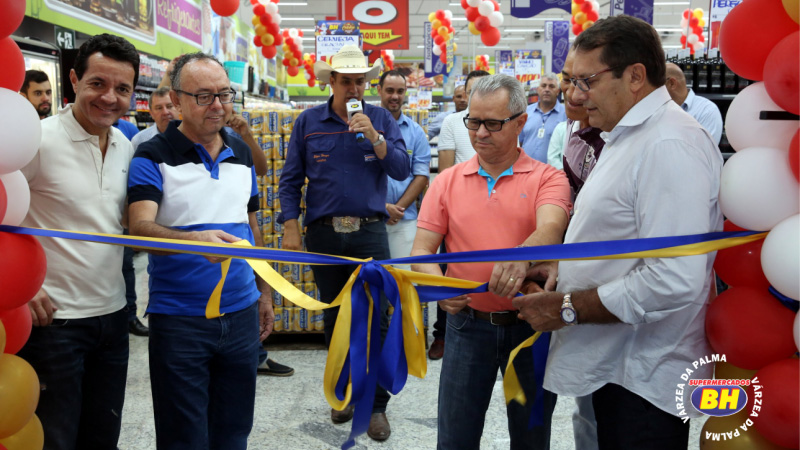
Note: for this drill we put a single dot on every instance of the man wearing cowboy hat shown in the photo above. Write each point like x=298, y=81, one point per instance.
x=346, y=161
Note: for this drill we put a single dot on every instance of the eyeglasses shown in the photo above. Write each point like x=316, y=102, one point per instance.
x=490, y=124
x=583, y=83
x=206, y=99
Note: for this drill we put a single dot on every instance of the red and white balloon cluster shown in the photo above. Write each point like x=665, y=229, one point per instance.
x=484, y=18
x=292, y=50
x=441, y=31
x=692, y=24
x=584, y=14
x=482, y=62
x=760, y=190
x=308, y=64
x=267, y=24
x=387, y=56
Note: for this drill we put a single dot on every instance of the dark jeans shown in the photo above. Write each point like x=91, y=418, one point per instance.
x=628, y=421
x=82, y=365
x=476, y=349
x=203, y=377
x=369, y=242
x=129, y=275
x=440, y=326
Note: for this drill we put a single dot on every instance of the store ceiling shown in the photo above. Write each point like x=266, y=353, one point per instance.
x=516, y=33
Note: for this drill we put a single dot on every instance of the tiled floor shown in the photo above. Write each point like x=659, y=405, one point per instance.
x=291, y=413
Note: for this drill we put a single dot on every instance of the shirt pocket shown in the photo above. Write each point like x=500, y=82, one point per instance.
x=320, y=149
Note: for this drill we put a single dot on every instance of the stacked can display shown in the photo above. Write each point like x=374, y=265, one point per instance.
x=273, y=129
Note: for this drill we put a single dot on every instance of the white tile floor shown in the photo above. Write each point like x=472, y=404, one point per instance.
x=291, y=413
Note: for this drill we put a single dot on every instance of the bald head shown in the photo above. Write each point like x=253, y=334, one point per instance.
x=676, y=83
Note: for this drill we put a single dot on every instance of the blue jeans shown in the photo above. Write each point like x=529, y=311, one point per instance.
x=203, y=377
x=371, y=241
x=476, y=349
x=129, y=275
x=82, y=366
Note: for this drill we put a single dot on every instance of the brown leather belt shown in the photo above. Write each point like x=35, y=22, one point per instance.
x=499, y=318
x=370, y=219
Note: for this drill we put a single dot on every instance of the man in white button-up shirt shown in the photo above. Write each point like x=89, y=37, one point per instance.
x=626, y=330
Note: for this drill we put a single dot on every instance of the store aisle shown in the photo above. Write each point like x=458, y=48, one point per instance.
x=291, y=413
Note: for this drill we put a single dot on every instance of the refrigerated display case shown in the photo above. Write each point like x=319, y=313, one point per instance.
x=44, y=56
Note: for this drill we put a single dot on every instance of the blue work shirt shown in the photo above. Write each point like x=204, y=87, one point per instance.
x=419, y=151
x=128, y=129
x=345, y=177
x=534, y=144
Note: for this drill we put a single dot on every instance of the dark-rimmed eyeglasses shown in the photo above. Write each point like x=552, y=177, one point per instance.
x=583, y=83
x=490, y=124
x=207, y=98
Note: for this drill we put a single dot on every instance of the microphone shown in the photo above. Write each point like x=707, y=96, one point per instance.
x=354, y=107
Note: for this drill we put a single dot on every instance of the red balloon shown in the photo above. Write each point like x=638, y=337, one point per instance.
x=13, y=73
x=464, y=4
x=572, y=20
x=289, y=40
x=576, y=28
x=225, y=8
x=687, y=13
x=683, y=41
x=741, y=265
x=10, y=20
x=693, y=22
x=269, y=52
x=587, y=6
x=292, y=71
x=253, y=2
x=450, y=29
x=300, y=33
x=298, y=54
x=751, y=327
x=278, y=38
x=482, y=24
x=259, y=10
x=22, y=269
x=3, y=201
x=440, y=14
x=273, y=29
x=794, y=156
x=257, y=41
x=781, y=76
x=438, y=39
x=311, y=83
x=780, y=402
x=592, y=15
x=266, y=19
x=285, y=62
x=490, y=37
x=17, y=323
x=496, y=5
x=472, y=13
x=285, y=33
x=744, y=54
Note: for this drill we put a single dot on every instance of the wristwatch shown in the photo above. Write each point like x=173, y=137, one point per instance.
x=568, y=313
x=379, y=141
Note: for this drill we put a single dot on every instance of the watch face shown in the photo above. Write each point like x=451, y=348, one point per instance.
x=568, y=315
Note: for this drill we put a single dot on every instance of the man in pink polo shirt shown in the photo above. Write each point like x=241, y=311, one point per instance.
x=500, y=198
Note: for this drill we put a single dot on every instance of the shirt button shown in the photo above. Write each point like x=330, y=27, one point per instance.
x=494, y=191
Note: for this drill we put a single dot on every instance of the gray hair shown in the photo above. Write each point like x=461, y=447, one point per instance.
x=160, y=92
x=551, y=76
x=175, y=78
x=483, y=86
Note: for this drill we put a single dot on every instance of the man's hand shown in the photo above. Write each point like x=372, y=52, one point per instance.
x=507, y=278
x=41, y=309
x=455, y=304
x=215, y=236
x=395, y=213
x=291, y=236
x=266, y=316
x=542, y=311
x=360, y=123
x=240, y=125
x=546, y=271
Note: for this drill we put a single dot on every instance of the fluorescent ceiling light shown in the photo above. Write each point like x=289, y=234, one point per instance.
x=297, y=19
x=496, y=46
x=542, y=19
x=458, y=19
x=420, y=46
x=310, y=30
x=659, y=3
x=513, y=39
x=295, y=4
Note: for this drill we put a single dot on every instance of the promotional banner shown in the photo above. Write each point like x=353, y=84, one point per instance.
x=384, y=24
x=719, y=10
x=529, y=8
x=504, y=62
x=424, y=97
x=642, y=9
x=433, y=65
x=528, y=65
x=331, y=35
x=130, y=18
x=181, y=19
x=556, y=36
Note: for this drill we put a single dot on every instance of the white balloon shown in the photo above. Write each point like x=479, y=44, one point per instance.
x=448, y=14
x=276, y=18
x=692, y=39
x=18, y=196
x=307, y=76
x=271, y=8
x=797, y=330
x=437, y=50
x=595, y=5
x=474, y=3
x=780, y=258
x=20, y=131
x=744, y=128
x=293, y=32
x=684, y=24
x=496, y=19
x=485, y=8
x=757, y=189
x=698, y=46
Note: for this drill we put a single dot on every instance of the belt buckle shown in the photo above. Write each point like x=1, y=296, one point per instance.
x=491, y=317
x=346, y=224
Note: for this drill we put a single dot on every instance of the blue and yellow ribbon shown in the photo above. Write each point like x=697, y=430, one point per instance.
x=356, y=359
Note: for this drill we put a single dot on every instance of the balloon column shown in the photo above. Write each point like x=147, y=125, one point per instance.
x=308, y=64
x=267, y=25
x=22, y=259
x=292, y=50
x=482, y=62
x=584, y=14
x=387, y=56
x=441, y=31
x=752, y=323
x=484, y=18
x=692, y=24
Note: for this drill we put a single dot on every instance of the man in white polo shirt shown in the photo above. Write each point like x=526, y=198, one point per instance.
x=454, y=144
x=79, y=342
